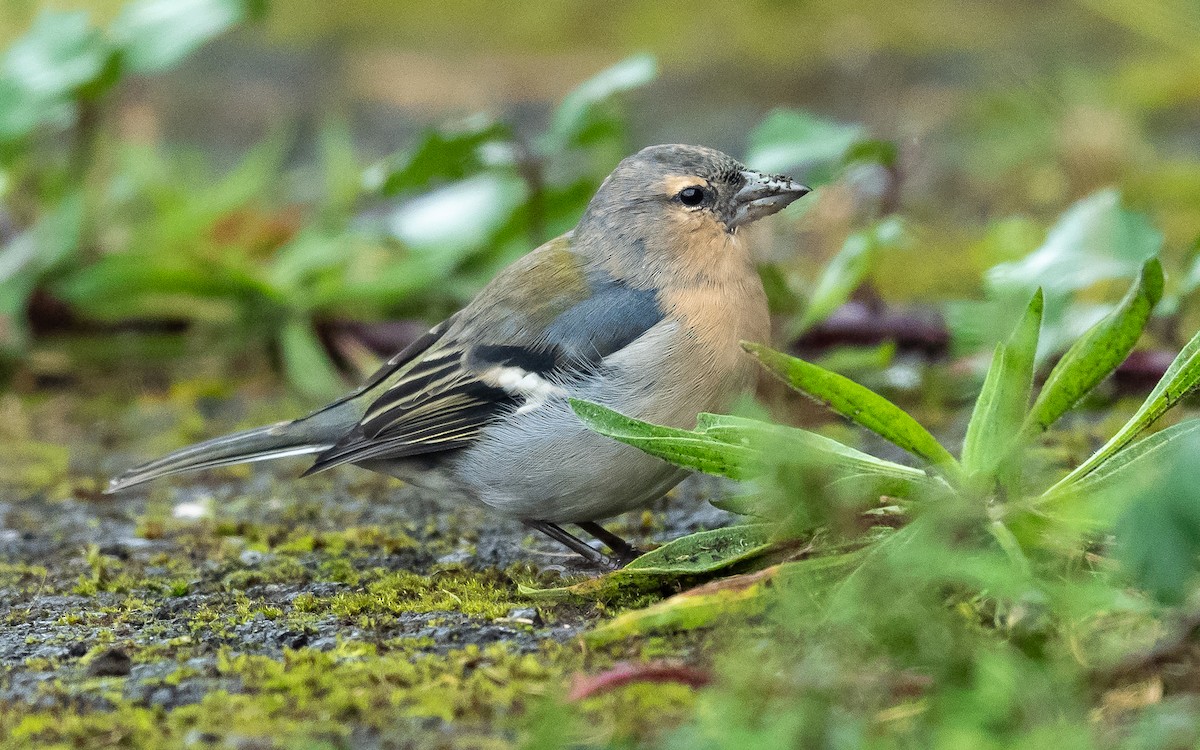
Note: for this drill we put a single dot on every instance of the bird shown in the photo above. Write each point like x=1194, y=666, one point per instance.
x=641, y=307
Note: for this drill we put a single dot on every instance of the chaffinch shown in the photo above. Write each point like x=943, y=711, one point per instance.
x=639, y=308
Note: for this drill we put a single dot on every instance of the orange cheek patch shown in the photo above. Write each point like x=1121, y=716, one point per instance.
x=673, y=184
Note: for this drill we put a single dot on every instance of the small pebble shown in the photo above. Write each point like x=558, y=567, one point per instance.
x=112, y=663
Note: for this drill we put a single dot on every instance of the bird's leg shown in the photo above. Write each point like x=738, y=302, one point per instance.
x=622, y=550
x=574, y=543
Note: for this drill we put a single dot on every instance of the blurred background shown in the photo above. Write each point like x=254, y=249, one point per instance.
x=196, y=194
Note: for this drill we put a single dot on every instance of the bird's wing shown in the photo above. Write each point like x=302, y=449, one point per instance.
x=509, y=349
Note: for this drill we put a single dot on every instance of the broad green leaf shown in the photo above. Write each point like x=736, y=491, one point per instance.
x=1094, y=356
x=1001, y=405
x=1094, y=240
x=789, y=139
x=857, y=404
x=155, y=35
x=306, y=364
x=52, y=240
x=443, y=155
x=846, y=271
x=704, y=551
x=1180, y=379
x=61, y=54
x=585, y=108
x=61, y=57
x=694, y=556
x=450, y=223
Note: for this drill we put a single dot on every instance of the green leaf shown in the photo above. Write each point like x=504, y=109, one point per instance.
x=443, y=155
x=695, y=556
x=704, y=551
x=684, y=448
x=450, y=223
x=59, y=55
x=307, y=255
x=1094, y=240
x=740, y=596
x=1094, y=356
x=857, y=404
x=1158, y=537
x=1180, y=379
x=781, y=440
x=587, y=108
x=691, y=558
x=846, y=271
x=740, y=448
x=29, y=257
x=341, y=171
x=789, y=139
x=1001, y=405
x=306, y=364
x=1139, y=460
x=156, y=35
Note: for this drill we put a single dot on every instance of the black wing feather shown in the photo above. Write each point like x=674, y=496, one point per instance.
x=434, y=399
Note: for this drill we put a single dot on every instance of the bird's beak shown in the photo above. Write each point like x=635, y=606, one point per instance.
x=763, y=195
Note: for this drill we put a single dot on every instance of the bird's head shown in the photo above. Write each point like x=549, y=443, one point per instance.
x=675, y=210
x=693, y=184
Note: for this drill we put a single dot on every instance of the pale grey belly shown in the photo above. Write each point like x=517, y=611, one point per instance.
x=545, y=465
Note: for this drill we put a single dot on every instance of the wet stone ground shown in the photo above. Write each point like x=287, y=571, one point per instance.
x=213, y=610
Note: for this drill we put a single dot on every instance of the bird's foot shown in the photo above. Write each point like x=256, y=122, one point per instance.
x=622, y=551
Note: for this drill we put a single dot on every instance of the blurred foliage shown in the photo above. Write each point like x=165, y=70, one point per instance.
x=975, y=590
x=132, y=232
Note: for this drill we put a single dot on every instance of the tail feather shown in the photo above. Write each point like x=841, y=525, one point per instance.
x=280, y=440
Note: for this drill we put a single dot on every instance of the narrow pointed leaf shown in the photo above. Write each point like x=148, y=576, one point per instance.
x=840, y=457
x=684, y=448
x=737, y=447
x=856, y=403
x=1094, y=356
x=1001, y=405
x=695, y=556
x=740, y=596
x=1180, y=379
x=841, y=277
x=1140, y=457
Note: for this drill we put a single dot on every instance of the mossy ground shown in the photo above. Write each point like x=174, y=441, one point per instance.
x=247, y=609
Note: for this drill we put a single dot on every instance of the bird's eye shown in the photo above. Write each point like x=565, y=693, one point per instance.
x=691, y=196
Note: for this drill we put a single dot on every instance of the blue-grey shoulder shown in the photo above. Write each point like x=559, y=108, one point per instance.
x=611, y=318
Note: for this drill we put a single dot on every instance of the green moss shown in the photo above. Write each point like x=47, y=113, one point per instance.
x=311, y=695
x=480, y=594
x=281, y=569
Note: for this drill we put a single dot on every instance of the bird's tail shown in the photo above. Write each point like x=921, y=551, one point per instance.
x=311, y=434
